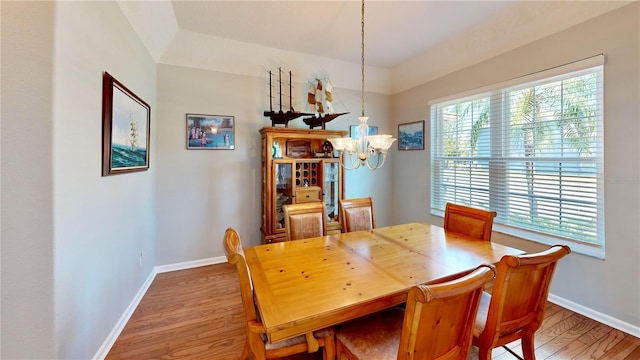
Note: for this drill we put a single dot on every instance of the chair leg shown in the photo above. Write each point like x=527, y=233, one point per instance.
x=484, y=353
x=528, y=346
x=256, y=346
x=245, y=350
x=329, y=351
x=340, y=354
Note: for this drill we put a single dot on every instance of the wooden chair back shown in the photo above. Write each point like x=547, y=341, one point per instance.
x=235, y=255
x=439, y=318
x=469, y=221
x=515, y=309
x=305, y=220
x=357, y=214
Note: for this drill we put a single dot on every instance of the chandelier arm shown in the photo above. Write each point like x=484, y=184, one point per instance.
x=384, y=157
x=354, y=163
x=343, y=163
x=377, y=161
x=380, y=159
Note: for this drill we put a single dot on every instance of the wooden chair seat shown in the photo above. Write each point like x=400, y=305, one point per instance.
x=437, y=323
x=357, y=214
x=298, y=340
x=376, y=336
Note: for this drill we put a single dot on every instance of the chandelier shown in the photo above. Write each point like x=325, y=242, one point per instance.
x=369, y=150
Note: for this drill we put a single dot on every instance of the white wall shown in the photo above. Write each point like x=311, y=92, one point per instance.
x=71, y=238
x=610, y=287
x=202, y=192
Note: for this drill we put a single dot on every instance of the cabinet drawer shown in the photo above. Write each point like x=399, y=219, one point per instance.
x=308, y=194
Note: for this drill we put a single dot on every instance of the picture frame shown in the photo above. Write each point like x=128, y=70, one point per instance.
x=126, y=125
x=210, y=132
x=353, y=131
x=411, y=136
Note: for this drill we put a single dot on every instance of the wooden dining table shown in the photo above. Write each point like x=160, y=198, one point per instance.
x=305, y=285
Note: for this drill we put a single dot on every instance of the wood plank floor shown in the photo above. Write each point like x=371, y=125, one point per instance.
x=197, y=314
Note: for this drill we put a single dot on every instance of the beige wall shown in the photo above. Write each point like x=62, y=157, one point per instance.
x=27, y=181
x=71, y=238
x=202, y=192
x=101, y=224
x=602, y=288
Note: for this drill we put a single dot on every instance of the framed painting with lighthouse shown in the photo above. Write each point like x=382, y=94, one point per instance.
x=126, y=120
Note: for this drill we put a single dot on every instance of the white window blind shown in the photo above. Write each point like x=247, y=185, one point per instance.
x=530, y=149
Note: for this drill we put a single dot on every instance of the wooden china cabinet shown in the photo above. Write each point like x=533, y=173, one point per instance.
x=298, y=165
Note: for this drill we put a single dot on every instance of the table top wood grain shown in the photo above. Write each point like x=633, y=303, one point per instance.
x=305, y=285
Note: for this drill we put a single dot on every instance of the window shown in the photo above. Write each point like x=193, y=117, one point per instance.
x=530, y=149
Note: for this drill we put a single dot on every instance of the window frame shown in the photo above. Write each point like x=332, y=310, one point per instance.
x=592, y=64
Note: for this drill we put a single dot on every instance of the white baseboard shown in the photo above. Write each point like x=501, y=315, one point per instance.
x=113, y=336
x=595, y=315
x=191, y=264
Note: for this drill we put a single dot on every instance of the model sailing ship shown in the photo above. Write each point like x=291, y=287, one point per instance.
x=281, y=117
x=320, y=100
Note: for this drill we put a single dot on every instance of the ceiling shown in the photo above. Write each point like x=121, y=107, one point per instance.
x=407, y=43
x=394, y=30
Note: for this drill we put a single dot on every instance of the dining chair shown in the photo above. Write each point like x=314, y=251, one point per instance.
x=515, y=308
x=357, y=214
x=305, y=220
x=469, y=221
x=257, y=342
x=437, y=323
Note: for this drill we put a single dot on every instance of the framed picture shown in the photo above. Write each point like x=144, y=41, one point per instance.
x=126, y=121
x=411, y=136
x=210, y=132
x=353, y=131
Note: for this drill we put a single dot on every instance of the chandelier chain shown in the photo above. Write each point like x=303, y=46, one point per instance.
x=362, y=57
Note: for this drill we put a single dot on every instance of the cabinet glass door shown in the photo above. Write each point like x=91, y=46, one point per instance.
x=283, y=192
x=331, y=191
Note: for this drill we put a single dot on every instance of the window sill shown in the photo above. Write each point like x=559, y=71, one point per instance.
x=595, y=251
